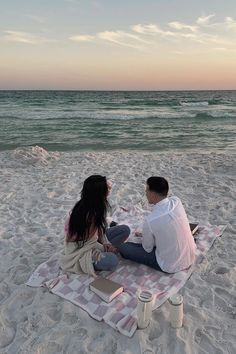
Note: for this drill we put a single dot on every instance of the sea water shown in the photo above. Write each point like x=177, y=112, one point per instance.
x=118, y=120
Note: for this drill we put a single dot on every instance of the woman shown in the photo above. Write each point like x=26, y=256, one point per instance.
x=86, y=242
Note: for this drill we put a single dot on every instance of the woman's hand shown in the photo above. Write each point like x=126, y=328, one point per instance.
x=109, y=248
x=109, y=186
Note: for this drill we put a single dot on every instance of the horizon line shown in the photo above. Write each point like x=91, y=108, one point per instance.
x=118, y=90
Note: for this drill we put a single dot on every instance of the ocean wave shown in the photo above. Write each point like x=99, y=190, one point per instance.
x=210, y=102
x=195, y=104
x=214, y=115
x=221, y=101
x=141, y=102
x=223, y=115
x=214, y=101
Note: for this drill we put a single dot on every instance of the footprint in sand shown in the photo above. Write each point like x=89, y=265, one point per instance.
x=221, y=270
x=4, y=292
x=24, y=261
x=81, y=333
x=70, y=319
x=14, y=309
x=205, y=342
x=7, y=335
x=49, y=348
x=104, y=345
x=54, y=314
x=20, y=275
x=230, y=299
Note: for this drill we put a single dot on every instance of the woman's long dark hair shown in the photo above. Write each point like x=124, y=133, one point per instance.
x=90, y=211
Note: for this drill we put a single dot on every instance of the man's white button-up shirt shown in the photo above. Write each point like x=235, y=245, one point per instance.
x=167, y=229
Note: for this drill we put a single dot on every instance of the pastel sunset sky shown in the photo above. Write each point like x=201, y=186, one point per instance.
x=125, y=44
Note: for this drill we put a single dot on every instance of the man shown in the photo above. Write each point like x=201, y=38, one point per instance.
x=167, y=241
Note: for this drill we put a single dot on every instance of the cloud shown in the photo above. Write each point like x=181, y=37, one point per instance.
x=117, y=37
x=203, y=32
x=142, y=29
x=188, y=35
x=182, y=26
x=203, y=20
x=230, y=23
x=151, y=29
x=122, y=38
x=222, y=49
x=24, y=37
x=21, y=37
x=82, y=38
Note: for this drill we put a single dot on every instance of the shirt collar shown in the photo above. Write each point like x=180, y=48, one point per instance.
x=163, y=201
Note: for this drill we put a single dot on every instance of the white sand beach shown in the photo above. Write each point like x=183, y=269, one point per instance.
x=37, y=190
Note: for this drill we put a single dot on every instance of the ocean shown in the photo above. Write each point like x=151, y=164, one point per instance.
x=118, y=120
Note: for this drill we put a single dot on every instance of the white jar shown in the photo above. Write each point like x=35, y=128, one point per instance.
x=144, y=309
x=176, y=310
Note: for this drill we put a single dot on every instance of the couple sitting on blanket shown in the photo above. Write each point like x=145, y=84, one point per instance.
x=167, y=243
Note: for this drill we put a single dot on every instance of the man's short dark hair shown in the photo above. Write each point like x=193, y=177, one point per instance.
x=158, y=185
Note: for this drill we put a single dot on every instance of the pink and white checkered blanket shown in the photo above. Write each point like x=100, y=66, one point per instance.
x=120, y=313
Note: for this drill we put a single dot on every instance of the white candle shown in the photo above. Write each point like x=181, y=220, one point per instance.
x=176, y=310
x=144, y=309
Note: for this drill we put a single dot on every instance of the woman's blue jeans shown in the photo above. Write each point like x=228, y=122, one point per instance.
x=116, y=235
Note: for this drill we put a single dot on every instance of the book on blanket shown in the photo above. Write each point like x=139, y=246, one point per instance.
x=193, y=227
x=105, y=288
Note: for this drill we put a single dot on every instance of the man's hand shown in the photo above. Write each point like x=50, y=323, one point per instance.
x=109, y=248
x=138, y=234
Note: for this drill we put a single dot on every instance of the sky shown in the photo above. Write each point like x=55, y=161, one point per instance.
x=118, y=45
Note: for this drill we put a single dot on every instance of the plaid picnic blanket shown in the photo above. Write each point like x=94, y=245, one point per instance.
x=120, y=313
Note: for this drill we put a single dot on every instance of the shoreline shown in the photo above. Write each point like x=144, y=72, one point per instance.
x=125, y=150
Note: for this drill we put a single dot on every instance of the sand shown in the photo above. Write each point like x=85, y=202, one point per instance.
x=38, y=188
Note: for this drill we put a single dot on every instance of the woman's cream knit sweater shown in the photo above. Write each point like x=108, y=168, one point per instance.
x=79, y=259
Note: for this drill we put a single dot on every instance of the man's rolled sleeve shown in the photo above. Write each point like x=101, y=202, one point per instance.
x=147, y=239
